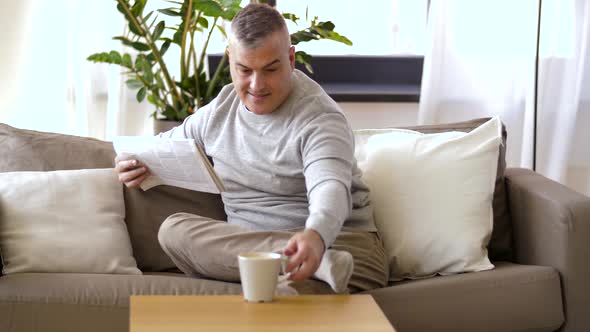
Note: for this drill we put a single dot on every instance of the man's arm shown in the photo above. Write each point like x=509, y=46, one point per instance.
x=132, y=173
x=328, y=154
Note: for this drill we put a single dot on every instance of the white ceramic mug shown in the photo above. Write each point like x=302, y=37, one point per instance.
x=259, y=273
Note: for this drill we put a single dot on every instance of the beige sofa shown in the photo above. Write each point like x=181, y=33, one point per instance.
x=539, y=246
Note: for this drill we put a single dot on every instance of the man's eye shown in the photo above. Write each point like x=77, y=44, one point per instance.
x=245, y=71
x=270, y=70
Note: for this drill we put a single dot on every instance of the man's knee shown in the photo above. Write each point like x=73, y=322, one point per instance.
x=169, y=232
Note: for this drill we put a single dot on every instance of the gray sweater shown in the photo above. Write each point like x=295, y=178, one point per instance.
x=292, y=168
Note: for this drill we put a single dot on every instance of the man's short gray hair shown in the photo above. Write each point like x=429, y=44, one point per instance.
x=255, y=22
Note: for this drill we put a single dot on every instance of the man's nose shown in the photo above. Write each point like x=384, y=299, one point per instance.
x=256, y=82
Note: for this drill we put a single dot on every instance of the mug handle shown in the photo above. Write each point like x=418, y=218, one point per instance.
x=284, y=262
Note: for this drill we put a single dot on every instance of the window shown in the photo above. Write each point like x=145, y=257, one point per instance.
x=376, y=27
x=385, y=61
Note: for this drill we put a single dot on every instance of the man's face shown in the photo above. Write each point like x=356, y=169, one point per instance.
x=262, y=75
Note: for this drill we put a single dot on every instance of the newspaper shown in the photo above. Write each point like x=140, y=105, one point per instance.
x=171, y=161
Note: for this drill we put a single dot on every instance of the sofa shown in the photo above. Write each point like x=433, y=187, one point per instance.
x=539, y=247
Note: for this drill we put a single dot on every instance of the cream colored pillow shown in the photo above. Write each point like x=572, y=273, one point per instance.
x=64, y=221
x=432, y=196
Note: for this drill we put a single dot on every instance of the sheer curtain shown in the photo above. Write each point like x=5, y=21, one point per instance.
x=480, y=61
x=46, y=82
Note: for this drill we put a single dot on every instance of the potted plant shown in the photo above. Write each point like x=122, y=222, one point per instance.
x=175, y=98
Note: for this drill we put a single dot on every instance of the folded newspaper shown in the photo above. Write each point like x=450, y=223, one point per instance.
x=171, y=161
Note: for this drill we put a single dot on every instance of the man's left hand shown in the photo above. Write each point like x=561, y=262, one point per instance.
x=305, y=250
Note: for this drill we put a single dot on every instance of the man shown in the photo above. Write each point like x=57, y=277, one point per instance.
x=284, y=151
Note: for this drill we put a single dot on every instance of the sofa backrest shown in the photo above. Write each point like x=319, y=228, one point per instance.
x=27, y=150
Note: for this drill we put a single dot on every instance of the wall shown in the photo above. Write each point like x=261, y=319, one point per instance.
x=12, y=38
x=380, y=115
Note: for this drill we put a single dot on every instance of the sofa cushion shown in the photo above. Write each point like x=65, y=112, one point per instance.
x=27, y=150
x=500, y=246
x=510, y=297
x=87, y=302
x=37, y=236
x=432, y=196
x=147, y=210
x=100, y=302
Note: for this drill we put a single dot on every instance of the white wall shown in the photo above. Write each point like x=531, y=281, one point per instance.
x=13, y=29
x=380, y=115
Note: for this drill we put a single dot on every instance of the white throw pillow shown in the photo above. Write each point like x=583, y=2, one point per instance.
x=432, y=196
x=64, y=221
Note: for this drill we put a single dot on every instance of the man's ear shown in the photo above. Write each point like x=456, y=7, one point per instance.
x=292, y=56
x=227, y=52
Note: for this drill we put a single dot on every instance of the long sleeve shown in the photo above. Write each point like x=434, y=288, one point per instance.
x=328, y=155
x=194, y=126
x=328, y=209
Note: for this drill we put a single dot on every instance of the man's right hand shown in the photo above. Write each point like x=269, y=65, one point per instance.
x=130, y=171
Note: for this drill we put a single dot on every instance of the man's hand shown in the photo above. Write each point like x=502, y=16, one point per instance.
x=305, y=250
x=130, y=172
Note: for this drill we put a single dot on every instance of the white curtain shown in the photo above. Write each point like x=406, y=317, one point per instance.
x=47, y=84
x=480, y=61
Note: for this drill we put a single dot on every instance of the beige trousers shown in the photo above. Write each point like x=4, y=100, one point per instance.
x=203, y=247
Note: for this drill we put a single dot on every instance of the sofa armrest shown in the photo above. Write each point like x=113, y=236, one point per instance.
x=551, y=227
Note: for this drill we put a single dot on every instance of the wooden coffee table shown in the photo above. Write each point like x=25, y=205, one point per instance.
x=231, y=313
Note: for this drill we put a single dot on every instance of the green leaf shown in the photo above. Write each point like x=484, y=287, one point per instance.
x=147, y=17
x=140, y=46
x=174, y=2
x=292, y=17
x=124, y=40
x=203, y=22
x=134, y=84
x=187, y=82
x=141, y=94
x=139, y=62
x=165, y=47
x=124, y=8
x=303, y=36
x=222, y=30
x=177, y=38
x=159, y=80
x=99, y=57
x=339, y=38
x=126, y=61
x=209, y=8
x=304, y=59
x=121, y=9
x=326, y=31
x=169, y=12
x=184, y=111
x=146, y=69
x=230, y=3
x=115, y=57
x=170, y=113
x=158, y=30
x=151, y=100
x=137, y=8
x=136, y=30
x=326, y=26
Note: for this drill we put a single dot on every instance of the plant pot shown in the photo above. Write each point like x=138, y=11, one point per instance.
x=161, y=126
